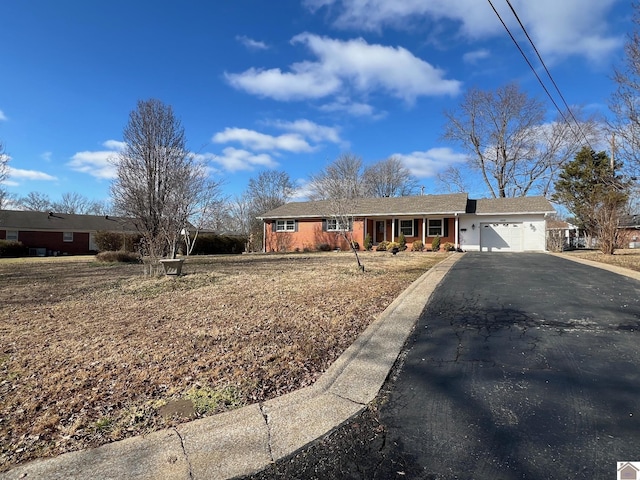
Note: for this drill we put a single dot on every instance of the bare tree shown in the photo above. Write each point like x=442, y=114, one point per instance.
x=341, y=183
x=625, y=125
x=4, y=174
x=452, y=180
x=508, y=142
x=343, y=179
x=269, y=190
x=36, y=201
x=389, y=178
x=159, y=183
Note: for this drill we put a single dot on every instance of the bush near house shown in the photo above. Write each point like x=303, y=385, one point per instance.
x=417, y=246
x=402, y=242
x=435, y=243
x=110, y=241
x=324, y=247
x=12, y=248
x=213, y=244
x=368, y=243
x=382, y=246
x=448, y=247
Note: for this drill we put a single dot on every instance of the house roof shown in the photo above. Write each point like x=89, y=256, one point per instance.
x=629, y=221
x=515, y=205
x=371, y=207
x=448, y=204
x=59, y=222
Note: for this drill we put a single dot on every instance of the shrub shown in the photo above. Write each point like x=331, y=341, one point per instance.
x=112, y=241
x=402, y=242
x=355, y=245
x=417, y=246
x=368, y=243
x=392, y=245
x=324, y=247
x=448, y=247
x=212, y=244
x=12, y=248
x=435, y=243
x=382, y=247
x=119, y=256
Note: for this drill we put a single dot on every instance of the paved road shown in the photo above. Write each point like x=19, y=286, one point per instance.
x=523, y=366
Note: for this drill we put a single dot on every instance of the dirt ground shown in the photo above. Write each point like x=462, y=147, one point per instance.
x=628, y=258
x=91, y=353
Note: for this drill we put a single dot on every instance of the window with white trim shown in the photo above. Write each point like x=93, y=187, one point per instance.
x=285, y=225
x=67, y=236
x=333, y=225
x=435, y=227
x=406, y=228
x=12, y=235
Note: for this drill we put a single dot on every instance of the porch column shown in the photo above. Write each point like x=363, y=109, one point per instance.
x=393, y=229
x=264, y=236
x=457, y=223
x=365, y=230
x=424, y=231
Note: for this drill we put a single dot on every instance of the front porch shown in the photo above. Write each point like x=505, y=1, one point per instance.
x=425, y=229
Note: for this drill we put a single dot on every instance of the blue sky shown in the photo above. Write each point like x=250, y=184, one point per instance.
x=286, y=85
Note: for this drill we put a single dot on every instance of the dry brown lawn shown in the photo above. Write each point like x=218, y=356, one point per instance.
x=627, y=258
x=91, y=353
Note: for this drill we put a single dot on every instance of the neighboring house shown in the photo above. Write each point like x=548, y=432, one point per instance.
x=58, y=233
x=503, y=224
x=630, y=227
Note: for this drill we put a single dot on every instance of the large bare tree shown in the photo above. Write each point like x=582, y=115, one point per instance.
x=159, y=183
x=625, y=123
x=508, y=142
x=342, y=184
x=389, y=178
x=269, y=190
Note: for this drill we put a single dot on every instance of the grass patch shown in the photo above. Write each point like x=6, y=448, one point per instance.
x=90, y=352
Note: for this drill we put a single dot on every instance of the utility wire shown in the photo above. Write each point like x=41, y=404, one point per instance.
x=515, y=14
x=533, y=68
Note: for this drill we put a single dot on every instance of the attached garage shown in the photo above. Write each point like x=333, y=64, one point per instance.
x=505, y=225
x=501, y=237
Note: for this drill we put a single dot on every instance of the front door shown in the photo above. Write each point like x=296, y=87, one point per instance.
x=379, y=236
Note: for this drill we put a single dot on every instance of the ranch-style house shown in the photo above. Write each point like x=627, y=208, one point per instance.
x=488, y=225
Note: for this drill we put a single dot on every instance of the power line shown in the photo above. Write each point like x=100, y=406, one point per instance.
x=534, y=70
x=515, y=14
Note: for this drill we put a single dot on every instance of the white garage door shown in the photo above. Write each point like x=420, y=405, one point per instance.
x=501, y=237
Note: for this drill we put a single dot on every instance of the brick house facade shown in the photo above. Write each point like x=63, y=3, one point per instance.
x=306, y=226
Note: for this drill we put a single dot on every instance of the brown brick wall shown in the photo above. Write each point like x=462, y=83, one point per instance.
x=53, y=241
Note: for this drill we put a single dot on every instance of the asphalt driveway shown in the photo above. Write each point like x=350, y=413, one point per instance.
x=522, y=366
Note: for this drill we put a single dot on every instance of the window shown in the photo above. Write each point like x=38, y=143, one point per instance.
x=333, y=225
x=435, y=227
x=285, y=225
x=67, y=236
x=12, y=235
x=406, y=228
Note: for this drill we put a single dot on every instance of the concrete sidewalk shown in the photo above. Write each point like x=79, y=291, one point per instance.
x=246, y=440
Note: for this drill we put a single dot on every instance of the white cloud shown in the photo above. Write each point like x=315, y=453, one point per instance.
x=22, y=174
x=233, y=159
x=46, y=156
x=251, y=43
x=3, y=117
x=354, y=109
x=98, y=164
x=311, y=130
x=351, y=64
x=427, y=164
x=474, y=56
x=291, y=142
x=114, y=145
x=559, y=28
